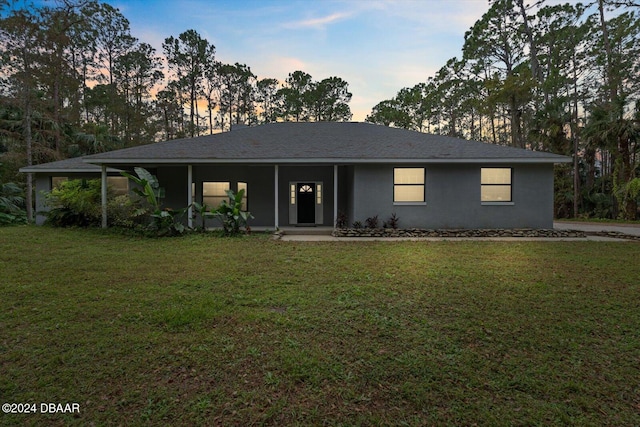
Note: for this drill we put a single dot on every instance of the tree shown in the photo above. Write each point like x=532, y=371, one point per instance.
x=20, y=32
x=113, y=40
x=187, y=56
x=236, y=94
x=135, y=74
x=495, y=41
x=267, y=98
x=292, y=95
x=384, y=113
x=328, y=100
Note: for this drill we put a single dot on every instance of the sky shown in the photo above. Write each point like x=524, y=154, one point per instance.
x=377, y=46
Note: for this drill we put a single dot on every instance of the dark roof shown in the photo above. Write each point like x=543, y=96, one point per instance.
x=321, y=142
x=318, y=142
x=73, y=165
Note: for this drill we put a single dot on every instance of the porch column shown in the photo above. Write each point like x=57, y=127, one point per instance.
x=103, y=193
x=335, y=195
x=275, y=192
x=189, y=196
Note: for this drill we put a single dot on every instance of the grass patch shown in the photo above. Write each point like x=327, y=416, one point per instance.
x=246, y=331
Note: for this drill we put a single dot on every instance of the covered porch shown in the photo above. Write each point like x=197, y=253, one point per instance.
x=277, y=195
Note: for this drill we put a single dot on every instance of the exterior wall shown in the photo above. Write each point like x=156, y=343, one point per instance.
x=452, y=193
x=289, y=174
x=260, y=188
x=260, y=183
x=43, y=186
x=452, y=197
x=174, y=181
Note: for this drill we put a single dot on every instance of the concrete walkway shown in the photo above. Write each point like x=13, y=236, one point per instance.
x=631, y=229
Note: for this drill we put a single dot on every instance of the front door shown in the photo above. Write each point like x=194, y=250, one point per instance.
x=306, y=203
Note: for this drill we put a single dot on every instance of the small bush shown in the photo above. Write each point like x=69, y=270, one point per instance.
x=342, y=221
x=372, y=222
x=357, y=225
x=75, y=203
x=12, y=205
x=392, y=222
x=124, y=212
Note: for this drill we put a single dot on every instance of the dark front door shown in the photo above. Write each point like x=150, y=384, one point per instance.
x=306, y=203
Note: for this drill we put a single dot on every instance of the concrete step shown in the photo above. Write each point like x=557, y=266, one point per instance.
x=307, y=231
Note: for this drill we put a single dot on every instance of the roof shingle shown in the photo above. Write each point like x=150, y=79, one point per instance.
x=320, y=142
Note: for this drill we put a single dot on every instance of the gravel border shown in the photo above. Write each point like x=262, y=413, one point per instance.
x=452, y=233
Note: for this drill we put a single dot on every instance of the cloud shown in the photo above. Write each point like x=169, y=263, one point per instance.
x=317, y=23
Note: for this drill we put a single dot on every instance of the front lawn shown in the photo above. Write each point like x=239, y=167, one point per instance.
x=203, y=330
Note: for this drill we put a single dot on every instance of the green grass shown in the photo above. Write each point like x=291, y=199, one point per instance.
x=250, y=331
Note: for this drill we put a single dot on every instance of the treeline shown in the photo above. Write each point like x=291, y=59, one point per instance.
x=561, y=78
x=75, y=81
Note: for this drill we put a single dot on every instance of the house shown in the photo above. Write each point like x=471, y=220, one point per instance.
x=303, y=174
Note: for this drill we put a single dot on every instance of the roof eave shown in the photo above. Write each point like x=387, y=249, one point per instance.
x=186, y=161
x=64, y=170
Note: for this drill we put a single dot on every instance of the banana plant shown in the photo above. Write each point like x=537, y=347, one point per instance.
x=231, y=215
x=164, y=221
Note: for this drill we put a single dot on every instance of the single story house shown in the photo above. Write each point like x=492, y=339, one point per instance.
x=304, y=174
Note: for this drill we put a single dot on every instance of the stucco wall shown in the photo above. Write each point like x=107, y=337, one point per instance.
x=260, y=188
x=43, y=186
x=260, y=183
x=452, y=198
x=289, y=174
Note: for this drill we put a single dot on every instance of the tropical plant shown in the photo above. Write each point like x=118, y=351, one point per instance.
x=75, y=203
x=204, y=211
x=164, y=222
x=231, y=215
x=11, y=204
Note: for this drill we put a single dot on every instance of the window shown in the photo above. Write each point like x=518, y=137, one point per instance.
x=495, y=185
x=56, y=181
x=243, y=186
x=408, y=185
x=319, y=194
x=213, y=193
x=119, y=185
x=293, y=194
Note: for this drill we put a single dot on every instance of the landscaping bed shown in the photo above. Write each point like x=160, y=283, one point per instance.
x=451, y=233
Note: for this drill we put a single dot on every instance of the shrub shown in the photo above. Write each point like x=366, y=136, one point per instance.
x=124, y=212
x=75, y=203
x=372, y=222
x=12, y=204
x=342, y=221
x=392, y=222
x=231, y=214
x=357, y=224
x=164, y=222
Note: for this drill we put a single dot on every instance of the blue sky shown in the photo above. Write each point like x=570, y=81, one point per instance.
x=377, y=46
